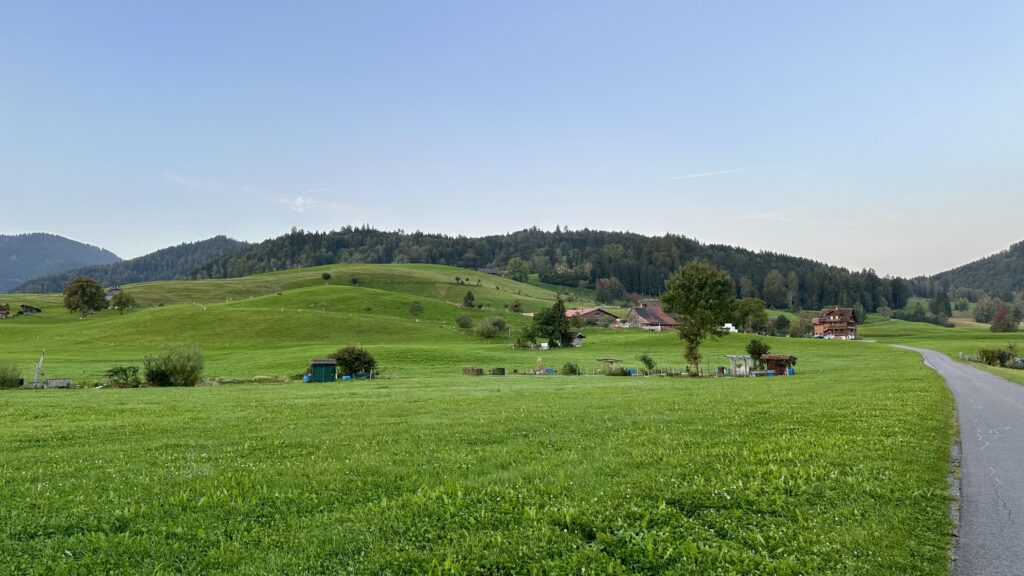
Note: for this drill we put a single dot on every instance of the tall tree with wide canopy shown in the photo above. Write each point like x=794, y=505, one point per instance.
x=703, y=297
x=84, y=295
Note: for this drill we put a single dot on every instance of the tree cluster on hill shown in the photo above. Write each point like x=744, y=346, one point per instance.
x=588, y=258
x=1000, y=274
x=174, y=263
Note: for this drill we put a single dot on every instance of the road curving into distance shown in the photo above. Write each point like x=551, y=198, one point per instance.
x=990, y=411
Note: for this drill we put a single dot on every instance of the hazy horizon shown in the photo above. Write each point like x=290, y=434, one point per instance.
x=874, y=135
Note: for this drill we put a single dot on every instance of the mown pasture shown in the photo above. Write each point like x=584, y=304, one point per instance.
x=838, y=470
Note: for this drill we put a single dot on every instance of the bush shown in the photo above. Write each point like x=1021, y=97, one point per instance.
x=354, y=360
x=177, y=366
x=757, y=348
x=464, y=322
x=995, y=356
x=571, y=369
x=416, y=308
x=647, y=361
x=10, y=376
x=491, y=327
x=123, y=376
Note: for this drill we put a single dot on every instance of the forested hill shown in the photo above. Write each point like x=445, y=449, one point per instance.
x=592, y=258
x=174, y=263
x=26, y=256
x=998, y=273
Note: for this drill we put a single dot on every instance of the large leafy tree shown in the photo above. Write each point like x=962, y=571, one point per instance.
x=703, y=297
x=552, y=325
x=84, y=295
x=518, y=269
x=123, y=301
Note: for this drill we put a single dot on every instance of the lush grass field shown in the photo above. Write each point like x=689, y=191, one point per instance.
x=839, y=470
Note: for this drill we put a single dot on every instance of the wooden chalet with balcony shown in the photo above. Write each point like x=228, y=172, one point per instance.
x=835, y=324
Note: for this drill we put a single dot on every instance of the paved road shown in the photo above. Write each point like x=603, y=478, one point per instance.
x=991, y=414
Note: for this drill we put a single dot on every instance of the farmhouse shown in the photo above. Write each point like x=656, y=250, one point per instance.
x=111, y=292
x=651, y=317
x=835, y=324
x=4, y=314
x=26, y=309
x=591, y=315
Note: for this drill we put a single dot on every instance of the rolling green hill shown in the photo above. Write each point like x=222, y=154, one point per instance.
x=27, y=256
x=172, y=263
x=834, y=471
x=997, y=274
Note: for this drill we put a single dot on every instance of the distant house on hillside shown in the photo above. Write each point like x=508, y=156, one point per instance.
x=651, y=317
x=4, y=314
x=111, y=292
x=26, y=309
x=835, y=324
x=591, y=315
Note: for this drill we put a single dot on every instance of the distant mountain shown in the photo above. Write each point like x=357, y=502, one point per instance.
x=1002, y=272
x=27, y=256
x=577, y=258
x=174, y=263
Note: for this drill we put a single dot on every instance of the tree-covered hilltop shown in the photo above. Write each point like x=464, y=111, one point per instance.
x=640, y=264
x=26, y=256
x=174, y=263
x=998, y=274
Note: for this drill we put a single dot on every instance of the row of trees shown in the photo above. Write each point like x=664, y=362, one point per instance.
x=617, y=264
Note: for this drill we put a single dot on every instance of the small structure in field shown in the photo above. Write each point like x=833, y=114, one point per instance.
x=835, y=323
x=26, y=309
x=729, y=328
x=323, y=370
x=780, y=364
x=577, y=340
x=740, y=365
x=4, y=314
x=591, y=315
x=651, y=316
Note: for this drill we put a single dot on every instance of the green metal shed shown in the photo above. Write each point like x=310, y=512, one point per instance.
x=323, y=370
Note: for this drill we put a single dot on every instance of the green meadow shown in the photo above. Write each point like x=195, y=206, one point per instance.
x=840, y=469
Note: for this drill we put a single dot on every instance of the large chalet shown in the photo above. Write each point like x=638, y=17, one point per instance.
x=835, y=324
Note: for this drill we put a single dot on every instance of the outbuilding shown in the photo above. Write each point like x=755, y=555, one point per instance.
x=780, y=364
x=323, y=370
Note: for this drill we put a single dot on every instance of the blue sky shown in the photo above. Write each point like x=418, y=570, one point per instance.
x=869, y=134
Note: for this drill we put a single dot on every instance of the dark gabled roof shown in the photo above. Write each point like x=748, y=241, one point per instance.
x=655, y=316
x=843, y=313
x=777, y=357
x=323, y=362
x=574, y=312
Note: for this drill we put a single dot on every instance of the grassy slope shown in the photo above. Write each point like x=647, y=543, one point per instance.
x=840, y=470
x=951, y=341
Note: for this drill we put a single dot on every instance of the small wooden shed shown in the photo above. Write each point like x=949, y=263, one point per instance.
x=323, y=370
x=780, y=364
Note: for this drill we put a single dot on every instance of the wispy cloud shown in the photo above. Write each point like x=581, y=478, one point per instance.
x=705, y=174
x=300, y=203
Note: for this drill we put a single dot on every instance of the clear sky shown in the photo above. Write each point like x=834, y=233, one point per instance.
x=866, y=134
